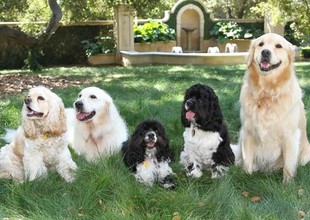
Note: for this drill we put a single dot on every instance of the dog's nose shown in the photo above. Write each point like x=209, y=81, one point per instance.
x=78, y=104
x=266, y=53
x=151, y=135
x=27, y=100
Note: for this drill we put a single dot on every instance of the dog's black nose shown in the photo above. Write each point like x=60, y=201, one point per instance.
x=27, y=100
x=151, y=135
x=78, y=104
x=266, y=53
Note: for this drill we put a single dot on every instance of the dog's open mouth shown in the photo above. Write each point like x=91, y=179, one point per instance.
x=83, y=116
x=32, y=113
x=267, y=66
x=190, y=115
x=150, y=144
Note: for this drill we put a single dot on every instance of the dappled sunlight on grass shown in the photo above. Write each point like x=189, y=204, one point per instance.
x=177, y=69
x=107, y=190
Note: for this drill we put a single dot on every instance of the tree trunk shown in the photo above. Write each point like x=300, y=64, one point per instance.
x=24, y=39
x=34, y=44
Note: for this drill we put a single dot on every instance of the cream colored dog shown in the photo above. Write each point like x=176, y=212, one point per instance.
x=273, y=133
x=99, y=130
x=41, y=142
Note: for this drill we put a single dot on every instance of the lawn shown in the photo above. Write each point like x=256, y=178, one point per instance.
x=107, y=190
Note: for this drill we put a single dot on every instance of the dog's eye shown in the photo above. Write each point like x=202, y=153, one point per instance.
x=278, y=46
x=93, y=97
x=80, y=96
x=41, y=98
x=261, y=44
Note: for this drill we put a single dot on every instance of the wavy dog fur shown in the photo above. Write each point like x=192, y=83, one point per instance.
x=273, y=133
x=41, y=141
x=206, y=138
x=148, y=155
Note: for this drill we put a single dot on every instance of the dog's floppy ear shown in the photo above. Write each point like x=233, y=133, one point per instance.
x=56, y=119
x=185, y=122
x=215, y=114
x=291, y=52
x=251, y=52
x=133, y=150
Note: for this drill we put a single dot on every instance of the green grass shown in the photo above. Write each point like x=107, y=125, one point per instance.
x=107, y=190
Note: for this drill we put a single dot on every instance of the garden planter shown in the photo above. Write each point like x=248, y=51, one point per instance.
x=243, y=45
x=101, y=59
x=159, y=46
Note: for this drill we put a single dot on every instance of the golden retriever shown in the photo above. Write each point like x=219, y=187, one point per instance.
x=99, y=130
x=41, y=141
x=273, y=122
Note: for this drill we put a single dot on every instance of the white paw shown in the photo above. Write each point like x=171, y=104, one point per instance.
x=196, y=173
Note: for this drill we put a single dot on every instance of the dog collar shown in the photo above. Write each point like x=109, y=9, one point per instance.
x=44, y=135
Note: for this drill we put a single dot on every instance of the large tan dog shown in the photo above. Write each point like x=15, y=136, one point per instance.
x=273, y=133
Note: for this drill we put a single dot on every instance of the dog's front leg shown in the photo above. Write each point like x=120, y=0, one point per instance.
x=191, y=166
x=146, y=173
x=218, y=171
x=34, y=166
x=290, y=156
x=247, y=150
x=66, y=166
x=165, y=174
x=194, y=169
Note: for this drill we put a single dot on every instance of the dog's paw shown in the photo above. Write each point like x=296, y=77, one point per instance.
x=194, y=170
x=218, y=171
x=167, y=183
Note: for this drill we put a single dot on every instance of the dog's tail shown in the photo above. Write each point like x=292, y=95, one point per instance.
x=237, y=152
x=9, y=135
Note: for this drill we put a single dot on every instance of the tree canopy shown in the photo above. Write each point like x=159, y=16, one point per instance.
x=296, y=12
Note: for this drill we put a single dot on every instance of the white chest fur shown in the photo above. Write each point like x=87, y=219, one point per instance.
x=200, y=145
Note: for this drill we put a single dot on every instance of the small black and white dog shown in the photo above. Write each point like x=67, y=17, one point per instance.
x=206, y=139
x=147, y=154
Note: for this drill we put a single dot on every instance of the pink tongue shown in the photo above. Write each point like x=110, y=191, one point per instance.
x=150, y=144
x=265, y=64
x=81, y=115
x=190, y=115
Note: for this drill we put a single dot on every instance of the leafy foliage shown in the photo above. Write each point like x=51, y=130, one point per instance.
x=32, y=62
x=232, y=8
x=146, y=8
x=153, y=31
x=101, y=44
x=223, y=31
x=295, y=12
x=305, y=52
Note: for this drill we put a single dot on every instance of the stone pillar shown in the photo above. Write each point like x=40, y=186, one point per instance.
x=271, y=27
x=123, y=28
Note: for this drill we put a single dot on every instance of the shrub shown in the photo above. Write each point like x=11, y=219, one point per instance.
x=99, y=45
x=290, y=34
x=305, y=52
x=153, y=31
x=223, y=31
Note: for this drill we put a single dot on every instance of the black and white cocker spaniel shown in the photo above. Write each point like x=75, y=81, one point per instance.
x=206, y=139
x=147, y=154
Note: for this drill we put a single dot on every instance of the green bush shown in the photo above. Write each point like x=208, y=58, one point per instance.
x=153, y=31
x=99, y=45
x=223, y=31
x=290, y=34
x=305, y=52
